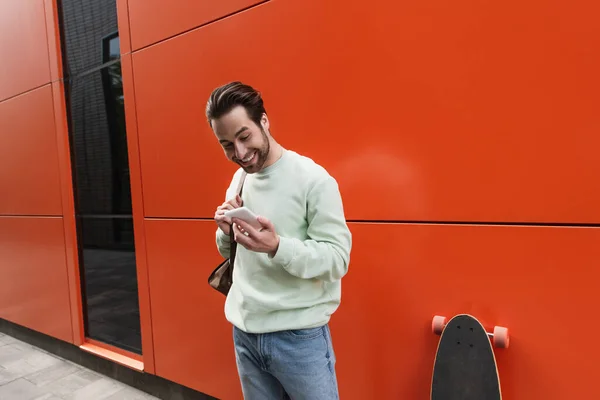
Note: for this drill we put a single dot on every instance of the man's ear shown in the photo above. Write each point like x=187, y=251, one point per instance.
x=264, y=121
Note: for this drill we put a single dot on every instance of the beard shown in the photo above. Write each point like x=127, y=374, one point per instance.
x=261, y=155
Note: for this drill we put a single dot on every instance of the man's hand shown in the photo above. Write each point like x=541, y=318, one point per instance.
x=264, y=240
x=222, y=221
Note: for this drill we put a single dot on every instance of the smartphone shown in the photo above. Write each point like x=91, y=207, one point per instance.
x=244, y=214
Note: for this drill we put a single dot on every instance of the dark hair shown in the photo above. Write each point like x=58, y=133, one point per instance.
x=228, y=96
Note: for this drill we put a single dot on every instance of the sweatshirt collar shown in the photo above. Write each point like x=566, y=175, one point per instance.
x=274, y=166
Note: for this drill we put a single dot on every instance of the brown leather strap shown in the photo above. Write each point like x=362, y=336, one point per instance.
x=233, y=247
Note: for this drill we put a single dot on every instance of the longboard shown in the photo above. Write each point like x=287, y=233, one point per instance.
x=465, y=365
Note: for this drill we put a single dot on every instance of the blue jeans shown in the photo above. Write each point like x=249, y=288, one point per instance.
x=293, y=364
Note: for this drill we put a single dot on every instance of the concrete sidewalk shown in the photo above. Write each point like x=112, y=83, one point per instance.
x=29, y=373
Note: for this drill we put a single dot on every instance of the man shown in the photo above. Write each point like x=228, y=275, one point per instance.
x=286, y=280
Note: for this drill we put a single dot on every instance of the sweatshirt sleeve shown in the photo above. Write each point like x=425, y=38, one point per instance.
x=223, y=240
x=223, y=243
x=325, y=255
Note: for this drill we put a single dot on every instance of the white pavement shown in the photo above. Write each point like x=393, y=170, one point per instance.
x=30, y=373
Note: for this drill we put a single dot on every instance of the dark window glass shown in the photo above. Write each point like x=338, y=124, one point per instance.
x=110, y=282
x=103, y=200
x=100, y=142
x=86, y=24
x=111, y=48
x=100, y=163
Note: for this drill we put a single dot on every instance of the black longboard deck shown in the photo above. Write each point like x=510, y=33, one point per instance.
x=465, y=365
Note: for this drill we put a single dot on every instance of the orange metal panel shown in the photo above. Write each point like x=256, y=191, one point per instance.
x=53, y=36
x=64, y=168
x=33, y=279
x=519, y=277
x=193, y=341
x=23, y=46
x=155, y=20
x=124, y=30
x=68, y=210
x=422, y=111
x=138, y=215
x=29, y=175
x=537, y=281
x=115, y=354
x=126, y=355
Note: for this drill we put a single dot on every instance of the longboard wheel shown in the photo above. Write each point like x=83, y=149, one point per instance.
x=438, y=324
x=501, y=338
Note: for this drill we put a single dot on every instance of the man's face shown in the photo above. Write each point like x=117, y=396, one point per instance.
x=244, y=143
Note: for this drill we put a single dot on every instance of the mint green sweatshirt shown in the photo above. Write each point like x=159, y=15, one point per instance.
x=300, y=287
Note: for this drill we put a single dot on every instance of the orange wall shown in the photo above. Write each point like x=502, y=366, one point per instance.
x=476, y=113
x=34, y=281
x=30, y=182
x=192, y=340
x=24, y=47
x=154, y=20
x=431, y=113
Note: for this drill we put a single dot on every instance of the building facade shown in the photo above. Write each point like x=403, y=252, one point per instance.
x=463, y=138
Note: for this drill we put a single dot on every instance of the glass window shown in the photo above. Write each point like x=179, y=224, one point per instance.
x=99, y=142
x=111, y=48
x=104, y=211
x=100, y=167
x=85, y=26
x=109, y=281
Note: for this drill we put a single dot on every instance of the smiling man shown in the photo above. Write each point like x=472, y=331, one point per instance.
x=287, y=275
